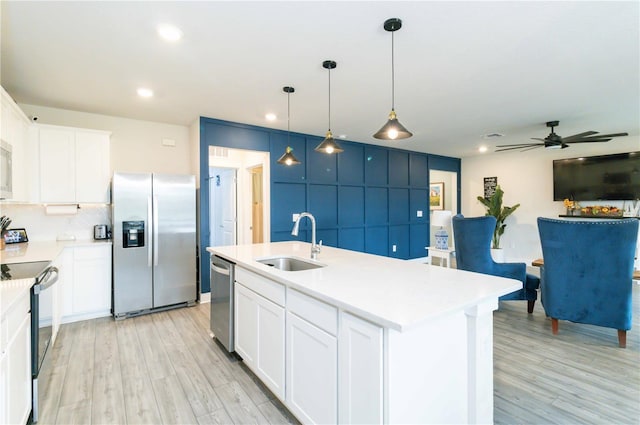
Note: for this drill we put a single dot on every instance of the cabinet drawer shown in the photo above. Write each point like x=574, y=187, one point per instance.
x=13, y=319
x=317, y=312
x=269, y=289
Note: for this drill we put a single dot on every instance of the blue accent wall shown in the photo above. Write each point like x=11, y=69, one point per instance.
x=365, y=198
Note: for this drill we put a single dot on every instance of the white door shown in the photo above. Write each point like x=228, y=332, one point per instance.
x=223, y=209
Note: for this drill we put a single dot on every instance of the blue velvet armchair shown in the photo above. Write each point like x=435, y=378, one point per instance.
x=587, y=272
x=473, y=240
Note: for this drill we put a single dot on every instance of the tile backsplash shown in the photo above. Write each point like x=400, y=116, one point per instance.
x=43, y=227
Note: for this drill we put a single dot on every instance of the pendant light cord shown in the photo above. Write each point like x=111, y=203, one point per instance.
x=329, y=99
x=393, y=77
x=288, y=119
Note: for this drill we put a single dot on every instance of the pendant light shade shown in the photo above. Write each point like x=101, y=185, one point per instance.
x=329, y=144
x=288, y=158
x=392, y=130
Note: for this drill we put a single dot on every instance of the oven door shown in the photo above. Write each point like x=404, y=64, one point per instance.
x=41, y=327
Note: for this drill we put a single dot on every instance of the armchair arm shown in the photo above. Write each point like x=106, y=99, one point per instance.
x=516, y=271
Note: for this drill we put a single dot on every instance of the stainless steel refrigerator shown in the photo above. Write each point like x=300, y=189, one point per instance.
x=154, y=242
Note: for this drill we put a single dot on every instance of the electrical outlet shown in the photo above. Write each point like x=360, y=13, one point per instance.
x=419, y=213
x=394, y=248
x=295, y=217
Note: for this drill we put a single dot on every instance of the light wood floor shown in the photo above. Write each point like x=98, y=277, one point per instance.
x=165, y=368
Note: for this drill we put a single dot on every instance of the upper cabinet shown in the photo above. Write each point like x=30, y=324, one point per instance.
x=74, y=165
x=14, y=132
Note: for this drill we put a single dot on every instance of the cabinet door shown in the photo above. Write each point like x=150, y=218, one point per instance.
x=361, y=374
x=312, y=372
x=19, y=368
x=270, y=364
x=92, y=167
x=92, y=280
x=4, y=391
x=57, y=165
x=246, y=324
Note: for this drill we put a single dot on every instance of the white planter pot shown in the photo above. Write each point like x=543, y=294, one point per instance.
x=497, y=255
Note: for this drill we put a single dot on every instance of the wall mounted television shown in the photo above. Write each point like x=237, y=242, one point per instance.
x=607, y=177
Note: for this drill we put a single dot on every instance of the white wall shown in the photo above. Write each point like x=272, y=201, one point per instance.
x=136, y=146
x=527, y=178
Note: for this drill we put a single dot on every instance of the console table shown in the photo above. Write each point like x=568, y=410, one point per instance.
x=540, y=262
x=442, y=254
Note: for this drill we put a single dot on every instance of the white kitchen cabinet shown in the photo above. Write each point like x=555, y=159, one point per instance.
x=15, y=363
x=92, y=280
x=312, y=359
x=360, y=371
x=260, y=329
x=84, y=283
x=74, y=165
x=14, y=130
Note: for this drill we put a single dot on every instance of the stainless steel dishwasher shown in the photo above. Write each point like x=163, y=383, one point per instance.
x=222, y=278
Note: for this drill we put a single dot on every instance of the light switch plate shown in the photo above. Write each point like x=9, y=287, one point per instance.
x=419, y=213
x=394, y=248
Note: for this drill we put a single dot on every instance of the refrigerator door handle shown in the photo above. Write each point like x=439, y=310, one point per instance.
x=150, y=223
x=155, y=230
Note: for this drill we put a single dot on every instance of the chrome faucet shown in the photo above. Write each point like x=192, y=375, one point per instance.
x=315, y=248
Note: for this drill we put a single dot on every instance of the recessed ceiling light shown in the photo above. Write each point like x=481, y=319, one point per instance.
x=482, y=149
x=169, y=32
x=270, y=117
x=143, y=92
x=342, y=136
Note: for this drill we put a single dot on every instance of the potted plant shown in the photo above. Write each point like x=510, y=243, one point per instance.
x=494, y=207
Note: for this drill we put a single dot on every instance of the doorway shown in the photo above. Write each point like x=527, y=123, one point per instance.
x=257, y=205
x=250, y=202
x=223, y=206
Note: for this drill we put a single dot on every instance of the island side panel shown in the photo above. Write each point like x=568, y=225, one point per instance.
x=426, y=370
x=480, y=355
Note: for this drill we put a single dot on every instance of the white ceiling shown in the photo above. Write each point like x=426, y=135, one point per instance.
x=463, y=69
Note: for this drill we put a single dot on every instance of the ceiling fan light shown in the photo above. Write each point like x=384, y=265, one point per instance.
x=329, y=145
x=288, y=158
x=393, y=130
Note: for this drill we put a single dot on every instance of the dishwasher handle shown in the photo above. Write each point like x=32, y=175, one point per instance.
x=220, y=270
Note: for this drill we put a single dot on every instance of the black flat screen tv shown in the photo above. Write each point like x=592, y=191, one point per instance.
x=608, y=177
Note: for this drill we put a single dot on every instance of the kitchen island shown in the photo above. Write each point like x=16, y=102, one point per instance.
x=365, y=338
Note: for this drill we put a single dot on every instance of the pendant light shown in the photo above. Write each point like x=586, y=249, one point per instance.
x=392, y=130
x=329, y=145
x=287, y=158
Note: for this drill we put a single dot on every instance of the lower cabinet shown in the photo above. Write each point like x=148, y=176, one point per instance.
x=15, y=364
x=259, y=336
x=360, y=371
x=84, y=283
x=312, y=372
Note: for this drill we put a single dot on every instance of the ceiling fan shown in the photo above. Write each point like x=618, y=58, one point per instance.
x=554, y=141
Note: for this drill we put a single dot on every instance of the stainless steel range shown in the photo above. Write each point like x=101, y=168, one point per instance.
x=42, y=331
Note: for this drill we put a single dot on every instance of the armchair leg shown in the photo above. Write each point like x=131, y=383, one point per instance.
x=554, y=326
x=530, y=305
x=622, y=339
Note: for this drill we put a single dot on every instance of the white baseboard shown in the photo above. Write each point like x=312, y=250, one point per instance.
x=205, y=298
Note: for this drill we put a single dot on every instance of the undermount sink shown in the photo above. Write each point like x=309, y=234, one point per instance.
x=290, y=264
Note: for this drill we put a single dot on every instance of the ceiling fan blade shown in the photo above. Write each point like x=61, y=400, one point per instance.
x=589, y=141
x=522, y=145
x=525, y=147
x=600, y=136
x=532, y=147
x=579, y=136
x=537, y=138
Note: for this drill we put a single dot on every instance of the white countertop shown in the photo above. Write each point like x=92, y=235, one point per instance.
x=40, y=250
x=393, y=293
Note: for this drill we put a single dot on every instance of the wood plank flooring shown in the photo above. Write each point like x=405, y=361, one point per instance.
x=164, y=368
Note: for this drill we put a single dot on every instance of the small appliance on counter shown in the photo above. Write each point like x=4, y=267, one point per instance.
x=101, y=232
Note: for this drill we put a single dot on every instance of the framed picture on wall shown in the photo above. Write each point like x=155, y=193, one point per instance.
x=436, y=196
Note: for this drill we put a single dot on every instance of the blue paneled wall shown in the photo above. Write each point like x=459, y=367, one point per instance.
x=367, y=198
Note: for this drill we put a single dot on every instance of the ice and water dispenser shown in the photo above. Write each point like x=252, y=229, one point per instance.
x=132, y=234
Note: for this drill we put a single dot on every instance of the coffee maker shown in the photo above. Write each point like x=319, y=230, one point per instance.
x=101, y=232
